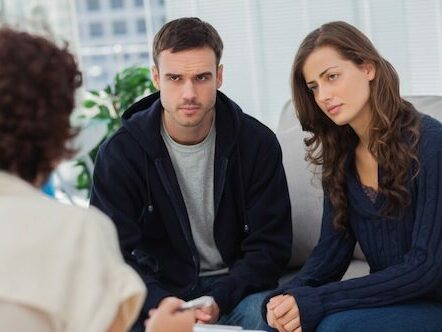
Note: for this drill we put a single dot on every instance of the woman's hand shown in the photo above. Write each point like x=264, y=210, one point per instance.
x=207, y=315
x=167, y=318
x=283, y=314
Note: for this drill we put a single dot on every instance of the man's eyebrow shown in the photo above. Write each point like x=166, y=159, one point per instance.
x=323, y=73
x=206, y=73
x=171, y=74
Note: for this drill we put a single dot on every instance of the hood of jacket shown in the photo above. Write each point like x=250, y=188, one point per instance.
x=143, y=120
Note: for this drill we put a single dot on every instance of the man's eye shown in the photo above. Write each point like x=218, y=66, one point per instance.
x=201, y=78
x=174, y=78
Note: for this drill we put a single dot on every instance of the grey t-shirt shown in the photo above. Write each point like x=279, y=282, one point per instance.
x=194, y=168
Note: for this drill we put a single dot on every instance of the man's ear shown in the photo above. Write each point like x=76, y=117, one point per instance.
x=219, y=76
x=155, y=77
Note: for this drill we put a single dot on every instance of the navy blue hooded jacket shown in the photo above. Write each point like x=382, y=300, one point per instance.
x=136, y=186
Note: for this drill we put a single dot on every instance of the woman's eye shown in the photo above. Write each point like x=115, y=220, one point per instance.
x=333, y=77
x=312, y=88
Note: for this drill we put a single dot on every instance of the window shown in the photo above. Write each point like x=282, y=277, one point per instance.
x=97, y=59
x=144, y=56
x=116, y=3
x=93, y=5
x=119, y=28
x=95, y=30
x=138, y=3
x=141, y=26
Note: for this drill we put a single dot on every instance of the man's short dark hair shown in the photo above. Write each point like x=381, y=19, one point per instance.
x=184, y=34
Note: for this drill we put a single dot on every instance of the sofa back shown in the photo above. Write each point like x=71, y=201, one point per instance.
x=305, y=188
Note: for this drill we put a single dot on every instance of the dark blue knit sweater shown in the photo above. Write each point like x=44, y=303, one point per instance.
x=405, y=256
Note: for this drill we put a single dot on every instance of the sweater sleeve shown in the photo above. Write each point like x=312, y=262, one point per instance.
x=19, y=317
x=330, y=257
x=328, y=261
x=419, y=273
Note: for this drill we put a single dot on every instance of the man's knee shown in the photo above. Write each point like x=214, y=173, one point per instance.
x=248, y=312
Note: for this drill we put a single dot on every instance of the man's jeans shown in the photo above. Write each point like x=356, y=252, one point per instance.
x=407, y=317
x=247, y=313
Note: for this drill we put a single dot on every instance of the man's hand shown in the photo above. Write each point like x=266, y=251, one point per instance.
x=283, y=314
x=207, y=315
x=169, y=299
x=167, y=318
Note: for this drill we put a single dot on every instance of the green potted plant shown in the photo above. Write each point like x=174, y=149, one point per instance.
x=104, y=108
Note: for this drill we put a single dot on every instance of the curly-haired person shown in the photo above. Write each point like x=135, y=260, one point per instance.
x=60, y=266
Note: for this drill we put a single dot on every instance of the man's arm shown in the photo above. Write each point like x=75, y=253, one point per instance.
x=266, y=247
x=118, y=191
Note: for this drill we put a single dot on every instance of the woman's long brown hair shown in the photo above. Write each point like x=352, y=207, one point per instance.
x=394, y=128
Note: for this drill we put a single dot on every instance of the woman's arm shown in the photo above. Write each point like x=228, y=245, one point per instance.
x=167, y=318
x=328, y=262
x=419, y=273
x=18, y=317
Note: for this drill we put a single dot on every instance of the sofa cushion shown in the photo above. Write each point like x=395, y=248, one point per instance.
x=305, y=188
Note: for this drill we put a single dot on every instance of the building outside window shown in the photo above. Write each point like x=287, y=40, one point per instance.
x=93, y=5
x=119, y=34
x=141, y=26
x=119, y=28
x=116, y=3
x=144, y=57
x=95, y=30
x=138, y=3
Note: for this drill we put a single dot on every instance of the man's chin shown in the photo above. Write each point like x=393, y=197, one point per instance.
x=190, y=124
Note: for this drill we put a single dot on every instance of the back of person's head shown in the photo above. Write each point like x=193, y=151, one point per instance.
x=392, y=119
x=184, y=34
x=37, y=86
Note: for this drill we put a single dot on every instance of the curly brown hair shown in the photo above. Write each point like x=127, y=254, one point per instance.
x=37, y=86
x=394, y=128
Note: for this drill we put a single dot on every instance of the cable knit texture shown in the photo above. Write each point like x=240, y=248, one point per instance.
x=405, y=256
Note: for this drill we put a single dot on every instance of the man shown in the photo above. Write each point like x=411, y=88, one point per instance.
x=196, y=188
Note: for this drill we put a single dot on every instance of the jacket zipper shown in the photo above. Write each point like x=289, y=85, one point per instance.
x=181, y=220
x=224, y=165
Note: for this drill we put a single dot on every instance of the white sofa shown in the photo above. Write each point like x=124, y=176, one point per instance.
x=305, y=189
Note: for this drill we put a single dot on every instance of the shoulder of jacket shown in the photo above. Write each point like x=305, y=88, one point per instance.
x=252, y=126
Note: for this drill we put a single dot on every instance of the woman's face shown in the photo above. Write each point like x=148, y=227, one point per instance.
x=340, y=88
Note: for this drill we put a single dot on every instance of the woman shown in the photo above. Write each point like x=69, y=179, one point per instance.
x=60, y=266
x=381, y=165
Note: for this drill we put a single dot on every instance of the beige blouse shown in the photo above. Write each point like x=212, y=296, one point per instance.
x=60, y=264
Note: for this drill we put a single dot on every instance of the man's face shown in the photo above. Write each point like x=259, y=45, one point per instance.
x=188, y=81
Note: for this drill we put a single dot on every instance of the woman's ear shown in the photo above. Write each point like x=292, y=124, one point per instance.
x=369, y=69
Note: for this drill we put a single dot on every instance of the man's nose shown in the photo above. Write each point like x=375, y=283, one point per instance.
x=189, y=91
